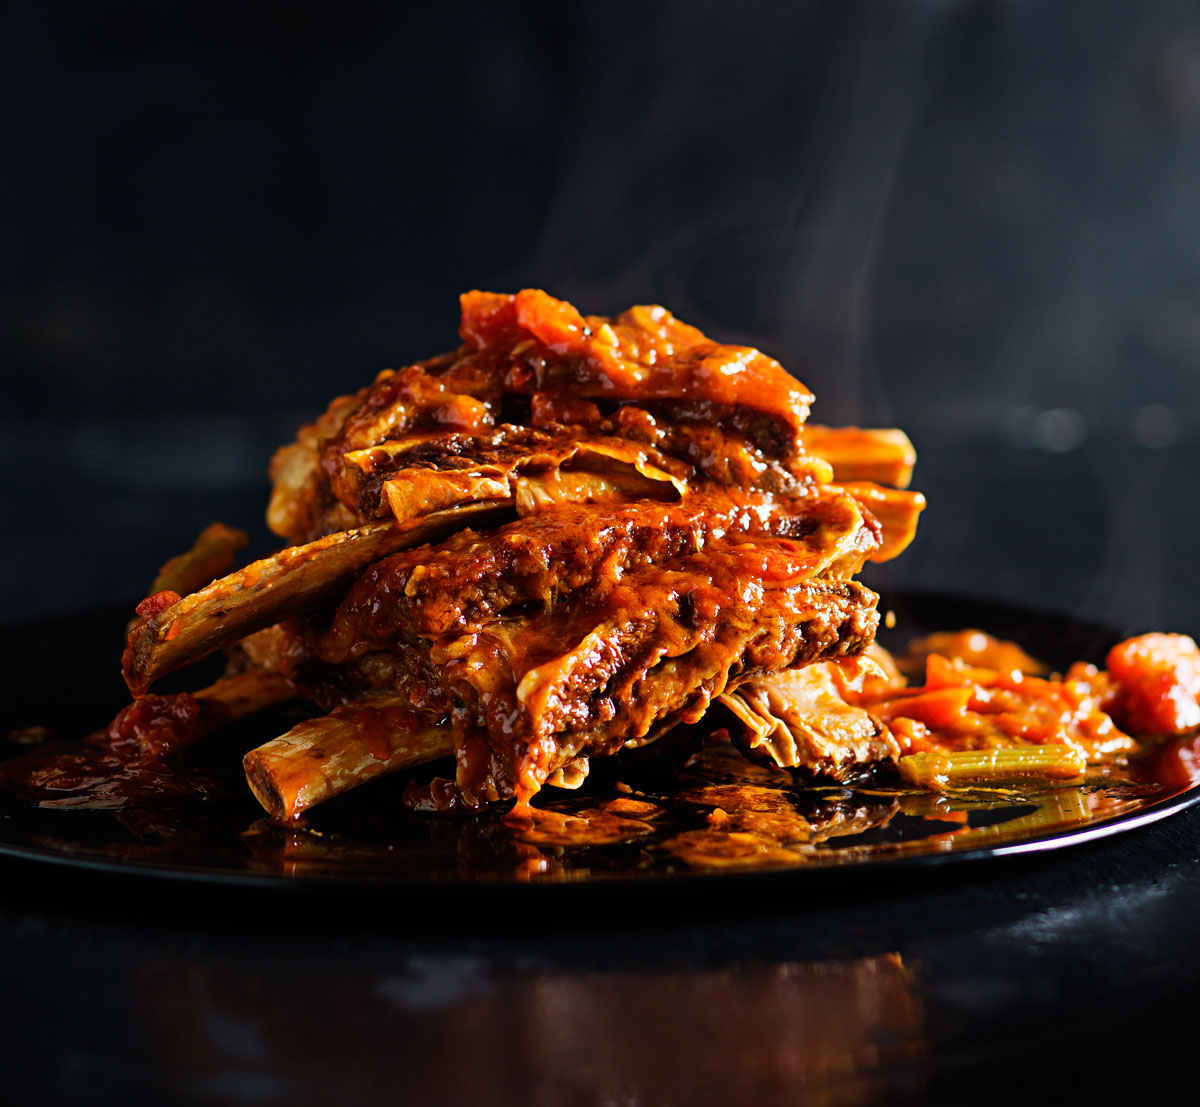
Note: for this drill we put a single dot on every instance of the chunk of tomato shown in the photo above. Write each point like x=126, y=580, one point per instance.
x=1158, y=678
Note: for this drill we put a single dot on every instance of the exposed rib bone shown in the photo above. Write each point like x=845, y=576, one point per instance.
x=896, y=510
x=321, y=758
x=856, y=453
x=211, y=556
x=292, y=582
x=245, y=693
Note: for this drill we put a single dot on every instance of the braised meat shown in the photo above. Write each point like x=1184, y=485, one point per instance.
x=561, y=539
x=581, y=629
x=533, y=386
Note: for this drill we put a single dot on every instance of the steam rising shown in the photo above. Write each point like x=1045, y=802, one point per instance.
x=750, y=198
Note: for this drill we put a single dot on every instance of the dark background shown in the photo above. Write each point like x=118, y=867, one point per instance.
x=978, y=221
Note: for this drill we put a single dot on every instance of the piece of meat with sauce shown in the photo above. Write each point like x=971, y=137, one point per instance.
x=532, y=370
x=564, y=537
x=799, y=719
x=581, y=629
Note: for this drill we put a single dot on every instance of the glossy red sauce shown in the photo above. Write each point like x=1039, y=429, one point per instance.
x=155, y=725
x=643, y=353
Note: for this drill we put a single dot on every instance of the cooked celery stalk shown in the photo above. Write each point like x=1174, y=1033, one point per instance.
x=969, y=768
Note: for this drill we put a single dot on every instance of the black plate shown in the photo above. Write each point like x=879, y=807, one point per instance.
x=652, y=805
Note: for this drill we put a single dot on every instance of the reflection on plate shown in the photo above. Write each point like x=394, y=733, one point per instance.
x=689, y=806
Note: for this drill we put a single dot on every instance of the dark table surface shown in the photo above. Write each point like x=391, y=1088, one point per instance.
x=1070, y=972
x=1067, y=974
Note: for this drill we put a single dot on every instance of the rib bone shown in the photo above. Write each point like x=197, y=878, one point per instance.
x=896, y=510
x=321, y=758
x=857, y=453
x=291, y=582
